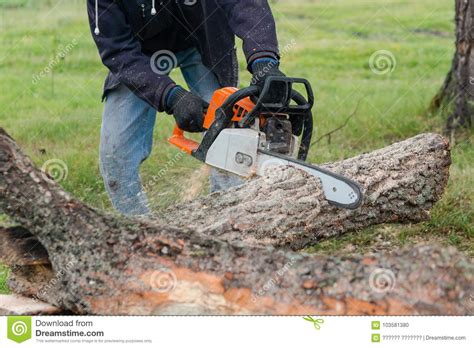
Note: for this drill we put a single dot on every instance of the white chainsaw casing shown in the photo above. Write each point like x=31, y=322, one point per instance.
x=235, y=150
x=242, y=151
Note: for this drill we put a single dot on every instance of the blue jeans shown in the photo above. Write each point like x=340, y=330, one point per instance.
x=127, y=136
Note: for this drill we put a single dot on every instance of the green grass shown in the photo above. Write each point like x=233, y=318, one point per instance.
x=59, y=117
x=3, y=279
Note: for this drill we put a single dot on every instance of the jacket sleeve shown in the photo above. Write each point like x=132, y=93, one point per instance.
x=253, y=22
x=121, y=53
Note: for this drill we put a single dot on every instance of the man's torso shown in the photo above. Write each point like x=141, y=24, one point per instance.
x=166, y=28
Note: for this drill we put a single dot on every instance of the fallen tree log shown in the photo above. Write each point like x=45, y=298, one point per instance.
x=19, y=305
x=400, y=182
x=104, y=264
x=21, y=248
x=30, y=270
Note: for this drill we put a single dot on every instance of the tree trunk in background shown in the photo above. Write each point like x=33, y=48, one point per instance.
x=458, y=88
x=104, y=264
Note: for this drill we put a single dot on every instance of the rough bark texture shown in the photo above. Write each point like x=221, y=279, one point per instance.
x=400, y=183
x=103, y=264
x=458, y=88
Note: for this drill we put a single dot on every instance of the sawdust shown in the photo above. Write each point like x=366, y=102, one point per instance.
x=195, y=184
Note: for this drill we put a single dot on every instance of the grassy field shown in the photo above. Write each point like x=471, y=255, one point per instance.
x=51, y=79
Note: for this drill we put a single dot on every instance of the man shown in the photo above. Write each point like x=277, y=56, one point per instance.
x=137, y=40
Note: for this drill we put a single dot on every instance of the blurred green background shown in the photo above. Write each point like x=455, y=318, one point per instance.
x=51, y=81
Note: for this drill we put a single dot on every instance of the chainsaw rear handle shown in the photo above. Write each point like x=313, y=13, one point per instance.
x=265, y=103
x=307, y=132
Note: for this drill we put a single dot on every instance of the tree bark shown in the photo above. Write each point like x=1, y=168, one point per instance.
x=287, y=208
x=458, y=89
x=104, y=264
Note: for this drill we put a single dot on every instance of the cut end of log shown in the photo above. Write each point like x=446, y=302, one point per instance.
x=20, y=305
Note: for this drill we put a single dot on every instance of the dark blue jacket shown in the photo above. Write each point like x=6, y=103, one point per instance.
x=129, y=34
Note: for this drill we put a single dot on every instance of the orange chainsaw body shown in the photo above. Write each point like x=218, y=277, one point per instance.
x=241, y=108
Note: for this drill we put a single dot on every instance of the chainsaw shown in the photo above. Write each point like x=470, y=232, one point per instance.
x=251, y=130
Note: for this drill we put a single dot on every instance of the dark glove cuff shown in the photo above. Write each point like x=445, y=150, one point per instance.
x=164, y=95
x=260, y=55
x=173, y=97
x=261, y=64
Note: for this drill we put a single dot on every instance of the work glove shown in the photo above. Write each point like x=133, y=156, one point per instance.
x=187, y=108
x=263, y=68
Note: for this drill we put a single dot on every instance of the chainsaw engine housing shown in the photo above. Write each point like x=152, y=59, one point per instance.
x=278, y=134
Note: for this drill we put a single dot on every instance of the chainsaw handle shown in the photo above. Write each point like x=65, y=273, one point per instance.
x=224, y=114
x=223, y=117
x=199, y=151
x=281, y=106
x=307, y=131
x=180, y=141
